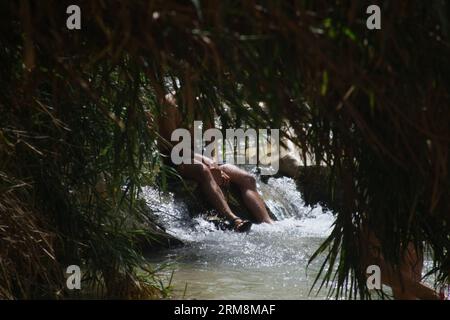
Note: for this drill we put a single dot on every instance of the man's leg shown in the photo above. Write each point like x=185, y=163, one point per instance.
x=411, y=269
x=200, y=173
x=405, y=282
x=247, y=185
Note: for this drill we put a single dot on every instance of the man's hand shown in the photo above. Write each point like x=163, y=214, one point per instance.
x=221, y=178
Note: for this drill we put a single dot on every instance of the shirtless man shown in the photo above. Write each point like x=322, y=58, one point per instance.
x=211, y=176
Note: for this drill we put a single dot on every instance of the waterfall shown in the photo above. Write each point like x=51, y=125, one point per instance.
x=257, y=265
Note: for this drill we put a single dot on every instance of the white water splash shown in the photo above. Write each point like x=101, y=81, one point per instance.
x=257, y=265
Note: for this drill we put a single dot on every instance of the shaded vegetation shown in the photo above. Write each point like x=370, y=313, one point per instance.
x=76, y=146
x=317, y=187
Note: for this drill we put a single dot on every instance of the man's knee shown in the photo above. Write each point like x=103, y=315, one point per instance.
x=249, y=181
x=197, y=171
x=203, y=172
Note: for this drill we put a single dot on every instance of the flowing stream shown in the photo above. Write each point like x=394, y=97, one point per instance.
x=270, y=262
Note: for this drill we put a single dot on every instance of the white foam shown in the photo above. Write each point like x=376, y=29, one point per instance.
x=266, y=245
x=268, y=260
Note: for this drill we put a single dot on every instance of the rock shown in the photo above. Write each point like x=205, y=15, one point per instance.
x=157, y=239
x=154, y=235
x=289, y=166
x=317, y=187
